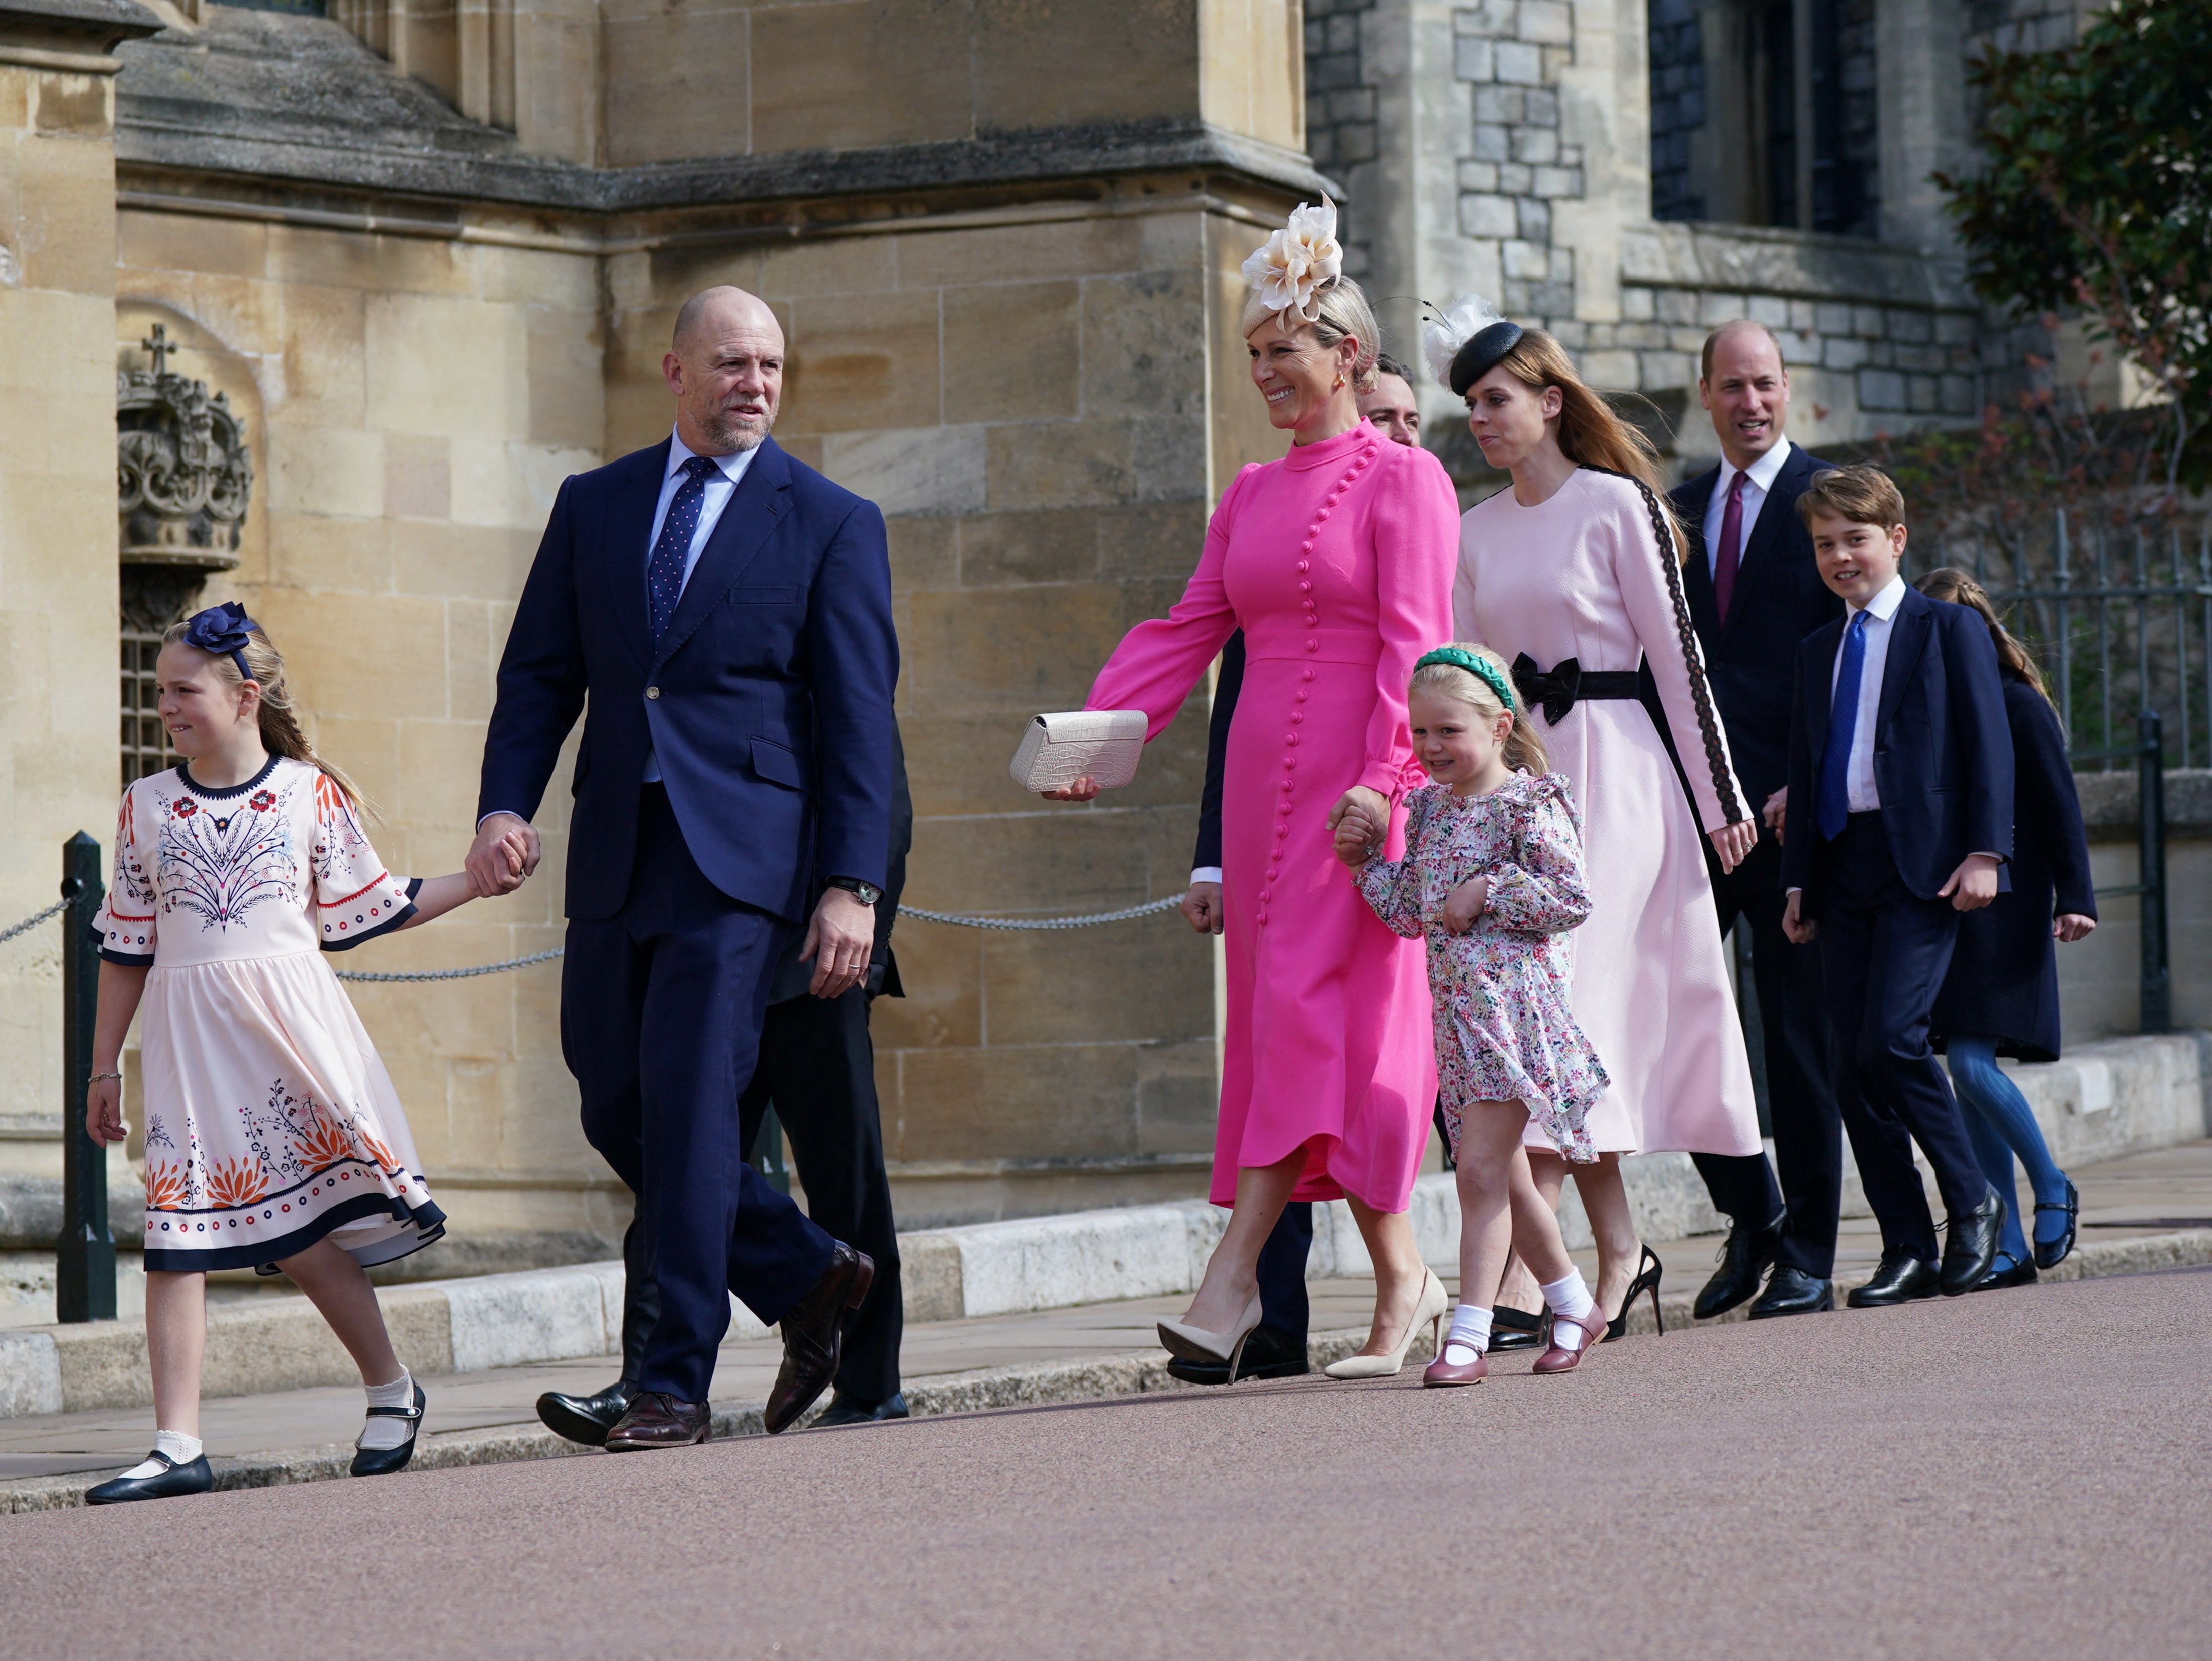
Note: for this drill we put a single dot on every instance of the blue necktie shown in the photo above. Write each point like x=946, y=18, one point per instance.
x=1835, y=798
x=663, y=572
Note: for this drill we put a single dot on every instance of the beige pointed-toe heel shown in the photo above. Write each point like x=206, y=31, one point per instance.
x=1197, y=1343
x=1430, y=1310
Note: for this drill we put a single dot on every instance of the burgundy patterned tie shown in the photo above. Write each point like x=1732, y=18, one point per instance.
x=1731, y=549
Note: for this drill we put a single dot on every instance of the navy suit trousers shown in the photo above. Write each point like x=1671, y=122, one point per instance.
x=1282, y=1270
x=1884, y=952
x=661, y=1008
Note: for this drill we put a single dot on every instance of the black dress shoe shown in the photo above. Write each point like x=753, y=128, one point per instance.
x=1518, y=1329
x=174, y=1479
x=1970, y=1244
x=2003, y=1279
x=814, y=1336
x=1793, y=1292
x=1269, y=1353
x=843, y=1409
x=1901, y=1278
x=382, y=1462
x=587, y=1419
x=1745, y=1255
x=658, y=1420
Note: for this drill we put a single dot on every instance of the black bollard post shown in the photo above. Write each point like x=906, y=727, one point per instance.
x=2157, y=970
x=84, y=1279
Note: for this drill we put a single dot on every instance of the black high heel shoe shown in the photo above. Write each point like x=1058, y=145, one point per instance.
x=2049, y=1254
x=1648, y=1272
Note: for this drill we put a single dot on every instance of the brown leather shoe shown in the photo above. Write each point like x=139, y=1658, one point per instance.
x=814, y=1336
x=658, y=1420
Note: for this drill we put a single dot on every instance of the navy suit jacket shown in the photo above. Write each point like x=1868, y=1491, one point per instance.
x=1751, y=659
x=768, y=700
x=1942, y=749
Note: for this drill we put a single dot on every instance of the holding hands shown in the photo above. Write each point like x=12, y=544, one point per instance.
x=1359, y=821
x=505, y=853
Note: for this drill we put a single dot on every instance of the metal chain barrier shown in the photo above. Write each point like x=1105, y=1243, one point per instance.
x=1128, y=914
x=31, y=923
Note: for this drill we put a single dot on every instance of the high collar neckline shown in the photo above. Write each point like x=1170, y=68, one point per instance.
x=1330, y=451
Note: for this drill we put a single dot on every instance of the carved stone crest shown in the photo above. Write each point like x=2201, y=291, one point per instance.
x=183, y=478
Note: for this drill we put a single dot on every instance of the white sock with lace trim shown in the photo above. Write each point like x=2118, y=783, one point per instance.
x=380, y=1431
x=1571, y=1300
x=171, y=1445
x=1469, y=1336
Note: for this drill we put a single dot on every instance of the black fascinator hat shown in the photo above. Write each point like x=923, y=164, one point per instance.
x=1481, y=354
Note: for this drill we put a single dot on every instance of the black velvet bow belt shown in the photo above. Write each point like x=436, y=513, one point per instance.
x=1568, y=684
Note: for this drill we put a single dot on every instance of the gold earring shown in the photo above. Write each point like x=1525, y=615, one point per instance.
x=1339, y=385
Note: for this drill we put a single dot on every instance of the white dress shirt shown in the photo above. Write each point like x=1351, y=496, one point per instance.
x=720, y=487
x=1860, y=794
x=1757, y=480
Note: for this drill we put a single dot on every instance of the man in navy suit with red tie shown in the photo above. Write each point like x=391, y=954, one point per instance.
x=1754, y=592
x=727, y=611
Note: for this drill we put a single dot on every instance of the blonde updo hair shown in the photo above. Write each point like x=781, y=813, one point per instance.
x=1344, y=314
x=280, y=725
x=1524, y=750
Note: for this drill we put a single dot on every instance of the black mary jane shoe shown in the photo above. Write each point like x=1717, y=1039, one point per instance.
x=849, y=1410
x=2049, y=1254
x=1269, y=1353
x=1518, y=1329
x=174, y=1479
x=2003, y=1279
x=587, y=1419
x=382, y=1462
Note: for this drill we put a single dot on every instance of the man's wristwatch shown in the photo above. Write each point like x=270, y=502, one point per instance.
x=866, y=892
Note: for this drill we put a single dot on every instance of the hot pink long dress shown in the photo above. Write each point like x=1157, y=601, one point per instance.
x=1337, y=563
x=1579, y=576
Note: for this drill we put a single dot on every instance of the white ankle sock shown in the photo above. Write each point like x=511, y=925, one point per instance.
x=380, y=1431
x=171, y=1444
x=1469, y=1336
x=1571, y=1300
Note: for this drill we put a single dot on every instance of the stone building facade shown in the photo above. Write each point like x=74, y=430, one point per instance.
x=428, y=257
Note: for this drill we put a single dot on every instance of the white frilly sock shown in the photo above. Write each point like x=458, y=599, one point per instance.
x=1470, y=1334
x=171, y=1445
x=1571, y=1300
x=380, y=1431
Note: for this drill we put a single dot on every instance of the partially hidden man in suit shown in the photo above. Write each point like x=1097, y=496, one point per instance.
x=727, y=611
x=1754, y=595
x=1277, y=1347
x=1900, y=819
x=818, y=1069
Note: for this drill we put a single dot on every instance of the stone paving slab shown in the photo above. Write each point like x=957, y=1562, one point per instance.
x=1083, y=1353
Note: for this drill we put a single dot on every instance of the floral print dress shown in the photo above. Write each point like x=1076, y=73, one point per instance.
x=270, y=1121
x=1505, y=1033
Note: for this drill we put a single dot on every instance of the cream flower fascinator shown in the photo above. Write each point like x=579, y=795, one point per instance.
x=1298, y=261
x=1464, y=343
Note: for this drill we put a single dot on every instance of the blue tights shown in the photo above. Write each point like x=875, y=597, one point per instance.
x=2001, y=1124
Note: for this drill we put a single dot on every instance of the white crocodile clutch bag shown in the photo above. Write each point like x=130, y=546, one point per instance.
x=1102, y=745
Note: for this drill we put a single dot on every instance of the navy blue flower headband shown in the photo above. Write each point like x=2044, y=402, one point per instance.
x=223, y=631
x=1487, y=673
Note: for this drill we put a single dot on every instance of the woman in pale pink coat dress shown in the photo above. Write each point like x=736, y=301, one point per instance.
x=1569, y=565
x=1336, y=562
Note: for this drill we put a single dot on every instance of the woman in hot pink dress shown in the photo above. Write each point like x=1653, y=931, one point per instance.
x=1337, y=563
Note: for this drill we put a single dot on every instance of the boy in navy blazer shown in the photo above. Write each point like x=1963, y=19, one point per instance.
x=1900, y=819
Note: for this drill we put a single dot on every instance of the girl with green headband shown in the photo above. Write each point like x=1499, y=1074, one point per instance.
x=1492, y=878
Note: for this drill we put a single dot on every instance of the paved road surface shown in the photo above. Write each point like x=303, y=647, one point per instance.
x=2027, y=1475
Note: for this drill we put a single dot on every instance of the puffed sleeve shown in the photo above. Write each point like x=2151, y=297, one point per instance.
x=1542, y=891
x=1416, y=521
x=1391, y=888
x=1160, y=660
x=356, y=898
x=123, y=930
x=1650, y=586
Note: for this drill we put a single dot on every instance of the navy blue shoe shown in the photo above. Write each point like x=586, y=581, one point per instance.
x=172, y=1479
x=382, y=1462
x=848, y=1410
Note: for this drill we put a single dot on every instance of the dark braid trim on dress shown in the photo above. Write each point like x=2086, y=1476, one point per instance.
x=1701, y=693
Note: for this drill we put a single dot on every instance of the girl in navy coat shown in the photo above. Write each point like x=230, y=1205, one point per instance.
x=2000, y=996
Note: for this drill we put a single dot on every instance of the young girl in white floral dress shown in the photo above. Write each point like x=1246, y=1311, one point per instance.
x=273, y=1137
x=1493, y=877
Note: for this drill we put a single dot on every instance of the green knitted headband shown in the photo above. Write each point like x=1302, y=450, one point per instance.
x=1484, y=672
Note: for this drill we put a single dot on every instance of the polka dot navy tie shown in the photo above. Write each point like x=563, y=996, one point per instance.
x=663, y=572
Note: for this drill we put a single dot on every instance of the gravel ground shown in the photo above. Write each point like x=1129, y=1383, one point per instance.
x=2018, y=1473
